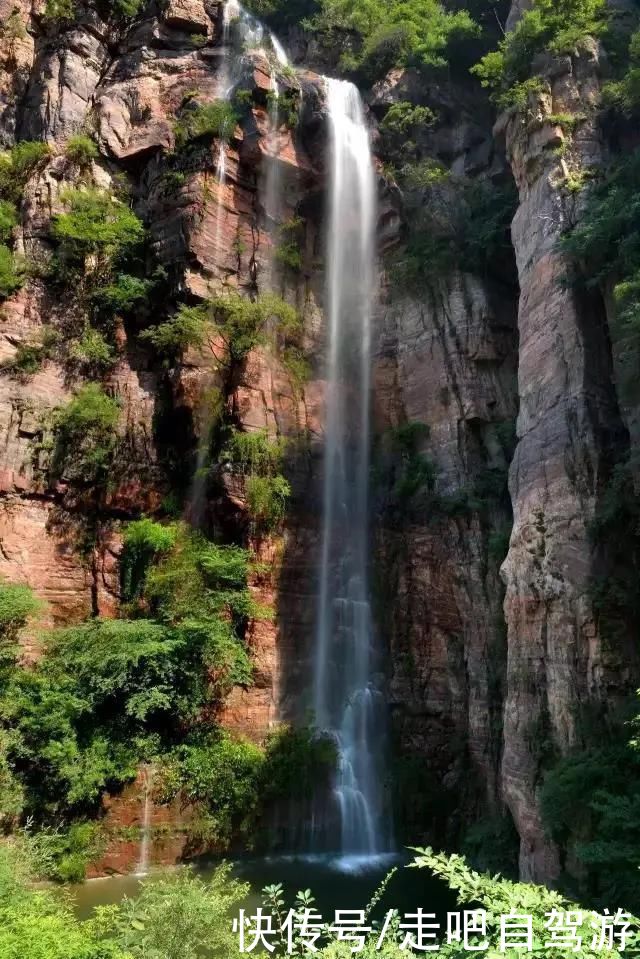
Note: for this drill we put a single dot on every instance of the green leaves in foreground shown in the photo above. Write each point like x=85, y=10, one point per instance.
x=499, y=897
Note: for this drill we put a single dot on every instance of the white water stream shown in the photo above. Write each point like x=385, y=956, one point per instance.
x=347, y=703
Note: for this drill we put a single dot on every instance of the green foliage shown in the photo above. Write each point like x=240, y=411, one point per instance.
x=400, y=125
x=36, y=923
x=200, y=588
x=108, y=694
x=30, y=355
x=187, y=329
x=288, y=251
x=267, y=498
x=97, y=226
x=615, y=534
x=144, y=542
x=492, y=845
x=591, y=799
x=17, y=604
x=376, y=35
x=239, y=323
x=405, y=470
x=498, y=543
x=179, y=916
x=12, y=272
x=232, y=781
x=85, y=437
x=65, y=10
x=254, y=452
x=624, y=94
x=125, y=294
x=283, y=13
x=222, y=777
x=455, y=224
x=500, y=897
x=200, y=120
x=16, y=167
x=556, y=26
x=605, y=249
x=14, y=28
x=92, y=351
x=81, y=150
x=73, y=850
x=259, y=459
x=8, y=220
x=420, y=174
x=297, y=758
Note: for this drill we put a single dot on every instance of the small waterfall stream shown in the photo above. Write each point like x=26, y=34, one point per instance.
x=142, y=869
x=347, y=702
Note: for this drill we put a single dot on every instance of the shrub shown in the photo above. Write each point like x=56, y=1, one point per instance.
x=267, y=498
x=108, y=694
x=223, y=777
x=12, y=272
x=85, y=437
x=624, y=94
x=557, y=26
x=591, y=798
x=186, y=330
x=402, y=120
x=8, y=220
x=144, y=542
x=456, y=224
x=74, y=849
x=199, y=120
x=17, y=605
x=96, y=225
x=296, y=760
x=30, y=356
x=92, y=350
x=604, y=247
x=65, y=10
x=81, y=150
x=16, y=167
x=499, y=897
x=179, y=916
x=125, y=294
x=254, y=453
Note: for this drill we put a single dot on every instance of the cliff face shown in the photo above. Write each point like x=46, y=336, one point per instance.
x=481, y=681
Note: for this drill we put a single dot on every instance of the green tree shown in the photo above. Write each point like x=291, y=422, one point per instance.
x=235, y=321
x=377, y=35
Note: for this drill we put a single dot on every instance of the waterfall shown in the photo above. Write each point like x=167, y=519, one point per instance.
x=347, y=702
x=142, y=869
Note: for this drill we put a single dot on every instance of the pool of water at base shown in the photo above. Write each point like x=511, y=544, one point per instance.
x=336, y=883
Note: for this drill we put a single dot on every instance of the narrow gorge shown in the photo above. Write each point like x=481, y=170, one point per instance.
x=319, y=511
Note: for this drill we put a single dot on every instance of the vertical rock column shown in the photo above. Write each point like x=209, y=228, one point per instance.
x=569, y=429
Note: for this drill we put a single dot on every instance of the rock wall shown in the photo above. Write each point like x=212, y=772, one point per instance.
x=474, y=689
x=570, y=435
x=126, y=84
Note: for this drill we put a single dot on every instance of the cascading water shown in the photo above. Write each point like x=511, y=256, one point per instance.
x=142, y=868
x=250, y=35
x=347, y=702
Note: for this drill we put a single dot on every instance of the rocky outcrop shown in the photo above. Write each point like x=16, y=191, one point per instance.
x=449, y=363
x=570, y=434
